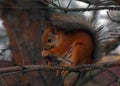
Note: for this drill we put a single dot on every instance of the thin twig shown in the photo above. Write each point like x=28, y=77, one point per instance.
x=20, y=48
x=113, y=20
x=68, y=4
x=84, y=9
x=59, y=2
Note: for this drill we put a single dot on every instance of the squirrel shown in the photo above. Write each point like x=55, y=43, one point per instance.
x=70, y=39
x=59, y=43
x=73, y=40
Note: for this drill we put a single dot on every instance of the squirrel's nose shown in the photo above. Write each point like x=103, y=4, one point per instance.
x=47, y=47
x=44, y=49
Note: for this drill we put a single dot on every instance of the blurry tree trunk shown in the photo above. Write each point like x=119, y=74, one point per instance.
x=24, y=25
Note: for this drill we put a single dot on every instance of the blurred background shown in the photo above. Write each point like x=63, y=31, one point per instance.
x=99, y=18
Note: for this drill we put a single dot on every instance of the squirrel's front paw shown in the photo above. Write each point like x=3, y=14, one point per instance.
x=45, y=53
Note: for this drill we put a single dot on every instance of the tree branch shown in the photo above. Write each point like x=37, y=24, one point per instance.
x=85, y=9
x=80, y=68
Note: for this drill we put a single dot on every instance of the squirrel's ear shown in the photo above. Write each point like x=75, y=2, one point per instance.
x=54, y=30
x=48, y=25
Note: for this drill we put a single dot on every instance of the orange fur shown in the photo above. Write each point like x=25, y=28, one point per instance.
x=78, y=44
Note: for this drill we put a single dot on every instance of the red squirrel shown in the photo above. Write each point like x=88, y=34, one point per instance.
x=73, y=40
x=70, y=39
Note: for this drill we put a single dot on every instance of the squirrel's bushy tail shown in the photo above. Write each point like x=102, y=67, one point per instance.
x=104, y=40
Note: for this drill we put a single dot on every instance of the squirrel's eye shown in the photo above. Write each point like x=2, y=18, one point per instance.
x=49, y=40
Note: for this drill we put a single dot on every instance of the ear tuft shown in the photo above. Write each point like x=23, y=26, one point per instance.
x=48, y=25
x=54, y=30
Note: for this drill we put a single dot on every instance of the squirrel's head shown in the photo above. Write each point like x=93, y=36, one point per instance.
x=50, y=38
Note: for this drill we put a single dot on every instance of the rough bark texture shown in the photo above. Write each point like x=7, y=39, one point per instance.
x=24, y=25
